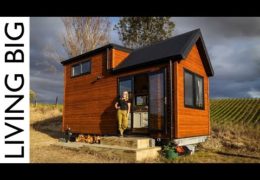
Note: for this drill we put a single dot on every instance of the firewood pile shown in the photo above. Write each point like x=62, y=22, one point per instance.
x=88, y=139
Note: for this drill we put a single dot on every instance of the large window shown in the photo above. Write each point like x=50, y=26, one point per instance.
x=81, y=68
x=193, y=90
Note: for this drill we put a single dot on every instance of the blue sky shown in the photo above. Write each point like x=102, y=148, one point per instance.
x=233, y=44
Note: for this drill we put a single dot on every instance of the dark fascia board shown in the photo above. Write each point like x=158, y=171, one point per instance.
x=122, y=48
x=95, y=51
x=204, y=54
x=198, y=39
x=186, y=49
x=146, y=64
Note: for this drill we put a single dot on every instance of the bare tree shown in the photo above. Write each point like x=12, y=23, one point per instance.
x=82, y=34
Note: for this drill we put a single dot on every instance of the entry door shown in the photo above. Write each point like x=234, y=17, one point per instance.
x=126, y=84
x=157, y=100
x=140, y=103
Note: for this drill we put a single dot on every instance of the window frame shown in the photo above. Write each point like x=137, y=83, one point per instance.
x=81, y=66
x=131, y=99
x=194, y=106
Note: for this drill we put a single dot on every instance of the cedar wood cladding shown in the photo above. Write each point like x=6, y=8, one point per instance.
x=189, y=121
x=89, y=104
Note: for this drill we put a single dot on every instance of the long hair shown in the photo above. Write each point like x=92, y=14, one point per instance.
x=127, y=96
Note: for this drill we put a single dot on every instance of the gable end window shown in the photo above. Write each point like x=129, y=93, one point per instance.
x=193, y=90
x=81, y=68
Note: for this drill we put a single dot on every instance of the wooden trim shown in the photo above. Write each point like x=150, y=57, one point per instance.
x=176, y=116
x=112, y=58
x=162, y=70
x=64, y=98
x=165, y=100
x=171, y=99
x=208, y=109
x=108, y=61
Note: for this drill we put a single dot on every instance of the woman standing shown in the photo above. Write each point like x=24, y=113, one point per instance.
x=123, y=109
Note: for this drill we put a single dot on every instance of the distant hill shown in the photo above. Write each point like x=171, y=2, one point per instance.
x=239, y=111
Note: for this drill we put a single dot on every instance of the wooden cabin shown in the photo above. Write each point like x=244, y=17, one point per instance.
x=168, y=84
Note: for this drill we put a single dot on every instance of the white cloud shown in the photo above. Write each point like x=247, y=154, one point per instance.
x=254, y=93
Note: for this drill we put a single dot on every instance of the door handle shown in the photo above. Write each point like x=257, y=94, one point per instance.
x=165, y=100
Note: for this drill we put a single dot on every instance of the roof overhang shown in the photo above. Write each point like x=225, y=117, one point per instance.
x=96, y=51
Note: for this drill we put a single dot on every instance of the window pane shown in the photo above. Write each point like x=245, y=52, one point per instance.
x=188, y=89
x=141, y=100
x=76, y=70
x=86, y=67
x=156, y=101
x=125, y=85
x=199, y=91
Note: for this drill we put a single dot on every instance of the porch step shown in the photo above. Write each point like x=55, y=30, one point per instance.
x=124, y=153
x=131, y=142
x=131, y=149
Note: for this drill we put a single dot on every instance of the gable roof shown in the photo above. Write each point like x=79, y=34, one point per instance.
x=176, y=48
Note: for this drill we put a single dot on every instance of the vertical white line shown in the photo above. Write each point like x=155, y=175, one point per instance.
x=12, y=69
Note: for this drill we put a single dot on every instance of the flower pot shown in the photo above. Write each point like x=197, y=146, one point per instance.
x=171, y=154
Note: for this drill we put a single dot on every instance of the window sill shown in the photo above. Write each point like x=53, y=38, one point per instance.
x=80, y=75
x=194, y=107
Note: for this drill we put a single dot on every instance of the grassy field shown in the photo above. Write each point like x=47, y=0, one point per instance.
x=235, y=111
x=234, y=137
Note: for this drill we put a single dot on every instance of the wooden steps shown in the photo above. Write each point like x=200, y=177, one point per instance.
x=131, y=142
x=131, y=149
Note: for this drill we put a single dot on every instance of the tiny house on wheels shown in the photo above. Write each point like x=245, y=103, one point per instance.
x=168, y=85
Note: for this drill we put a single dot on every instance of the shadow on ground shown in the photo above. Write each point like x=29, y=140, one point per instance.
x=50, y=126
x=237, y=155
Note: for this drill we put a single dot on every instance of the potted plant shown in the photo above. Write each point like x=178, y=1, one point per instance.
x=170, y=151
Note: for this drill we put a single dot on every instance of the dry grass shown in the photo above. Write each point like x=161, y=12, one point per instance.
x=241, y=138
x=45, y=129
x=227, y=144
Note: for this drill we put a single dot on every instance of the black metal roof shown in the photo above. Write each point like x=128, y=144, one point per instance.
x=95, y=51
x=175, y=48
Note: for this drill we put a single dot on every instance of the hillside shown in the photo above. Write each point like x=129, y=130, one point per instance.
x=244, y=111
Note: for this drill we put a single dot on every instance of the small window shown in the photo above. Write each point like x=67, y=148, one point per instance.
x=193, y=90
x=86, y=67
x=76, y=70
x=81, y=68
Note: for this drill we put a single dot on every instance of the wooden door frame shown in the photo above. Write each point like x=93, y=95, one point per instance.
x=164, y=127
x=148, y=73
